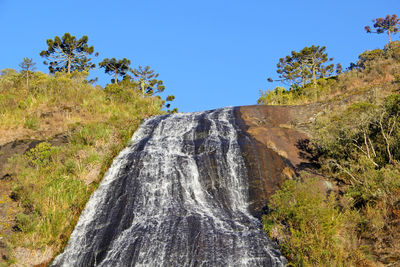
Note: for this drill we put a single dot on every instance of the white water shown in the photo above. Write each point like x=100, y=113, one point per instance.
x=178, y=196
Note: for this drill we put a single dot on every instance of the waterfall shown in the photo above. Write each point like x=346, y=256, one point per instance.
x=176, y=196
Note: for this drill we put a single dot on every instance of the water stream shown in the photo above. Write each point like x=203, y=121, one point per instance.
x=177, y=196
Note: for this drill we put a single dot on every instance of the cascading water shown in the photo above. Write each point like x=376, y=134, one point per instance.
x=177, y=196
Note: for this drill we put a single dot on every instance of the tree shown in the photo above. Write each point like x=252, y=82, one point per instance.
x=68, y=54
x=326, y=71
x=115, y=67
x=147, y=80
x=289, y=70
x=313, y=58
x=27, y=66
x=389, y=24
x=300, y=67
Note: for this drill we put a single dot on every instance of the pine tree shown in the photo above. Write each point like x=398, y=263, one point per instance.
x=313, y=58
x=289, y=70
x=27, y=66
x=147, y=80
x=115, y=67
x=67, y=54
x=389, y=24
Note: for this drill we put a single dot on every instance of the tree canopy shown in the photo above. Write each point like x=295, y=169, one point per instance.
x=147, y=80
x=389, y=24
x=304, y=66
x=288, y=69
x=115, y=67
x=67, y=54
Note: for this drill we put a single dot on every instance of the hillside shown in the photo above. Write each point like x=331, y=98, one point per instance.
x=64, y=133
x=344, y=210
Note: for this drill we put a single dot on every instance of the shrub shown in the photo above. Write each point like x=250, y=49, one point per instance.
x=310, y=228
x=41, y=155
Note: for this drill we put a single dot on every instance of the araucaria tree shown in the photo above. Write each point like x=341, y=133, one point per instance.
x=27, y=66
x=313, y=58
x=288, y=70
x=389, y=24
x=305, y=66
x=115, y=67
x=67, y=54
x=147, y=80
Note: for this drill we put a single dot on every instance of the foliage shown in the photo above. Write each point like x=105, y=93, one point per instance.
x=115, y=67
x=339, y=68
x=288, y=70
x=310, y=227
x=301, y=67
x=27, y=66
x=41, y=154
x=313, y=58
x=147, y=80
x=389, y=24
x=363, y=128
x=67, y=54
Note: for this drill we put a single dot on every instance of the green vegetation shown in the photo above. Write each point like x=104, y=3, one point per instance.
x=53, y=180
x=311, y=229
x=347, y=211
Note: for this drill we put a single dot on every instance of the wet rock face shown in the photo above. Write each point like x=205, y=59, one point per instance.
x=178, y=196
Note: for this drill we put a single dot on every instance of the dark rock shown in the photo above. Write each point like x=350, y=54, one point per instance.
x=269, y=139
x=6, y=176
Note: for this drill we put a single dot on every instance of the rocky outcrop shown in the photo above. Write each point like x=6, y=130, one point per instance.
x=21, y=146
x=273, y=141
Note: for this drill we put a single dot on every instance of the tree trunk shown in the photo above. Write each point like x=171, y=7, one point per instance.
x=69, y=65
x=116, y=77
x=390, y=39
x=143, y=86
x=386, y=136
x=303, y=78
x=27, y=79
x=314, y=77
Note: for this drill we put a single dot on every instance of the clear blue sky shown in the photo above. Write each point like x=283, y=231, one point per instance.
x=209, y=54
